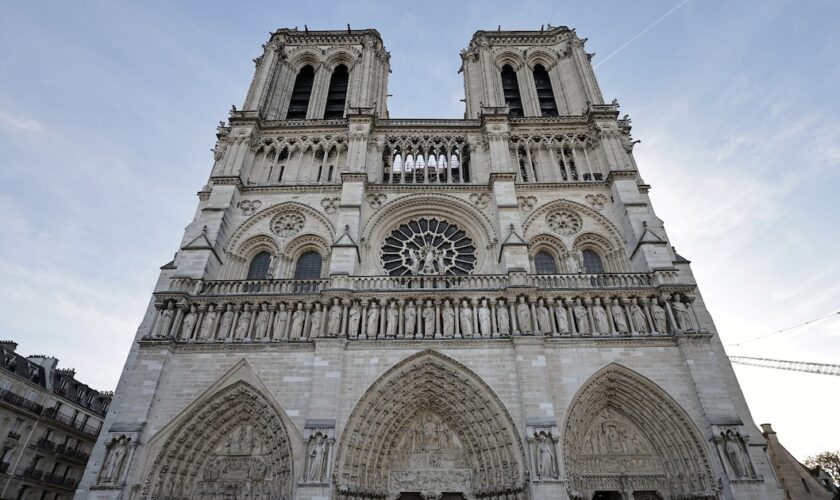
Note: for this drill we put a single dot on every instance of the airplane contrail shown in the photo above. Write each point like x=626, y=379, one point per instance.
x=628, y=42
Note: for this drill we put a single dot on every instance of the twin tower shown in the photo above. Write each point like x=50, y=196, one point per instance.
x=367, y=307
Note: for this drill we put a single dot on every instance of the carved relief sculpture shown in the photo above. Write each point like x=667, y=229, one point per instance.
x=523, y=316
x=637, y=315
x=189, y=323
x=503, y=318
x=206, y=332
x=581, y=318
x=660, y=322
x=244, y=323
x=619, y=317
x=297, y=323
x=448, y=320
x=681, y=315
x=373, y=320
x=261, y=329
x=281, y=318
x=562, y=317
x=429, y=320
x=354, y=319
x=227, y=322
x=113, y=464
x=410, y=314
x=543, y=317
x=334, y=319
x=392, y=316
x=599, y=316
x=484, y=321
x=315, y=322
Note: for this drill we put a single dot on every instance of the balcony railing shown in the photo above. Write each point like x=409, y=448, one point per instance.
x=45, y=444
x=75, y=455
x=396, y=283
x=20, y=401
x=78, y=426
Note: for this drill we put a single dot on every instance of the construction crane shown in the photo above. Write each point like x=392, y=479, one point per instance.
x=781, y=364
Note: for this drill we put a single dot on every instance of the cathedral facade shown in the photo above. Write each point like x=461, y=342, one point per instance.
x=366, y=307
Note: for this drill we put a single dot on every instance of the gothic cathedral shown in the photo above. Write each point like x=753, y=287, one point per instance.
x=377, y=308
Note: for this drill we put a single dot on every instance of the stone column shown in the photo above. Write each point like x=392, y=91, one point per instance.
x=570, y=314
x=364, y=321
x=514, y=321
x=494, y=327
x=400, y=320
x=344, y=313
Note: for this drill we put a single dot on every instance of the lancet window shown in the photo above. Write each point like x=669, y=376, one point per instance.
x=259, y=267
x=337, y=94
x=299, y=103
x=438, y=160
x=308, y=266
x=544, y=263
x=510, y=89
x=592, y=263
x=545, y=94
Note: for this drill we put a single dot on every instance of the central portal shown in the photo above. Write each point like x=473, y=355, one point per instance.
x=430, y=459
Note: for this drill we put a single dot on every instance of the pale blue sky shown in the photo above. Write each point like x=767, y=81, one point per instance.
x=108, y=112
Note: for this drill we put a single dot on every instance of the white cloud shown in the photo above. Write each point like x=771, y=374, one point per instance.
x=20, y=123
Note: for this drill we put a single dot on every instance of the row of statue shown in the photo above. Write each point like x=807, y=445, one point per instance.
x=439, y=318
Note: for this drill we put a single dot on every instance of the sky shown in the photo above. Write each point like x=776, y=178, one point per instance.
x=108, y=111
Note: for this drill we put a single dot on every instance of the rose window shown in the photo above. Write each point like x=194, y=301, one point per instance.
x=287, y=224
x=430, y=247
x=564, y=222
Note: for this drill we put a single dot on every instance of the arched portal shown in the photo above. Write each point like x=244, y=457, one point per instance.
x=430, y=425
x=231, y=445
x=625, y=436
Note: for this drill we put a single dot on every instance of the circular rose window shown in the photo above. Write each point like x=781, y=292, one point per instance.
x=428, y=247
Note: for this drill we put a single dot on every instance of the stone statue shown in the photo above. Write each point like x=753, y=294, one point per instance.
x=659, y=318
x=523, y=315
x=410, y=313
x=373, y=320
x=448, y=320
x=334, y=319
x=189, y=323
x=429, y=320
x=354, y=318
x=581, y=317
x=484, y=323
x=599, y=316
x=466, y=318
x=441, y=261
x=503, y=318
x=227, y=323
x=297, y=322
x=543, y=318
x=316, y=459
x=280, y=320
x=262, y=322
x=244, y=323
x=545, y=459
x=112, y=465
x=165, y=321
x=392, y=317
x=637, y=315
x=315, y=322
x=619, y=317
x=206, y=332
x=561, y=317
x=735, y=454
x=429, y=261
x=414, y=262
x=681, y=315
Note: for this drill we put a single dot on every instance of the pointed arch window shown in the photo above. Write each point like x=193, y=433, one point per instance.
x=592, y=262
x=259, y=267
x=544, y=263
x=545, y=94
x=308, y=266
x=510, y=88
x=337, y=94
x=299, y=103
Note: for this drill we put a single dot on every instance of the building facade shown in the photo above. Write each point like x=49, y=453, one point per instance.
x=366, y=307
x=49, y=422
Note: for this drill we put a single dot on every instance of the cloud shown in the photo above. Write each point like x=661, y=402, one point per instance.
x=22, y=123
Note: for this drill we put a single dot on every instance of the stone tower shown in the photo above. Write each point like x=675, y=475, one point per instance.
x=374, y=308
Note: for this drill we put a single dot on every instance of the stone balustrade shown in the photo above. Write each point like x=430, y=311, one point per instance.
x=426, y=307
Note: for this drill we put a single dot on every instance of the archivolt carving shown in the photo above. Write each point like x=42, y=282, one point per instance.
x=510, y=56
x=233, y=443
x=450, y=418
x=341, y=55
x=302, y=56
x=622, y=429
x=267, y=213
x=256, y=244
x=579, y=208
x=306, y=242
